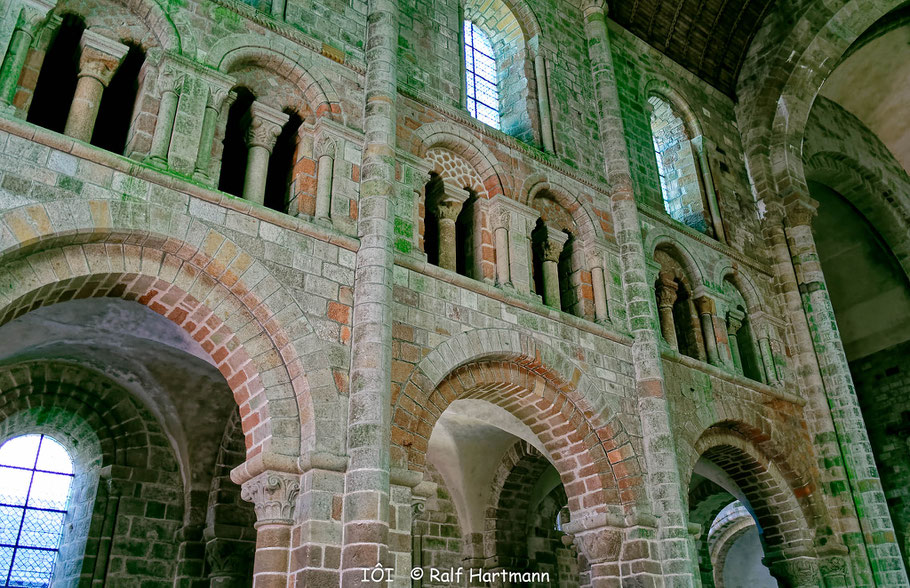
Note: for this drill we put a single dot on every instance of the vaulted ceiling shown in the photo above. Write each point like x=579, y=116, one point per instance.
x=707, y=37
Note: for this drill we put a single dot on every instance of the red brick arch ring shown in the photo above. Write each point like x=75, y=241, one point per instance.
x=786, y=507
x=544, y=389
x=196, y=277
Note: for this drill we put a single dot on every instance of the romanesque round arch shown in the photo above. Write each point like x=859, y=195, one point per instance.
x=587, y=445
x=462, y=142
x=318, y=94
x=147, y=13
x=664, y=241
x=743, y=282
x=869, y=195
x=537, y=184
x=655, y=85
x=200, y=280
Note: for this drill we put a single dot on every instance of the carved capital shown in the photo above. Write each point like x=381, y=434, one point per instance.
x=170, y=79
x=704, y=305
x=798, y=572
x=263, y=125
x=229, y=558
x=503, y=211
x=801, y=209
x=667, y=290
x=551, y=247
x=449, y=206
x=735, y=320
x=100, y=57
x=273, y=494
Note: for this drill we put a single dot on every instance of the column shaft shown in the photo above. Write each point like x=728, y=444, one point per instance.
x=204, y=156
x=161, y=140
x=12, y=65
x=324, y=171
x=543, y=102
x=84, y=111
x=501, y=235
x=705, y=308
x=659, y=460
x=448, y=244
x=257, y=170
x=263, y=127
x=551, y=284
x=367, y=487
x=601, y=309
x=270, y=567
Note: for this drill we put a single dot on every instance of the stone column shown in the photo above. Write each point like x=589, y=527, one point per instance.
x=543, y=101
x=19, y=44
x=734, y=322
x=512, y=222
x=228, y=559
x=663, y=488
x=325, y=169
x=599, y=273
x=218, y=99
x=274, y=497
x=705, y=307
x=599, y=551
x=667, y=291
x=550, y=249
x=367, y=486
x=853, y=439
x=98, y=61
x=701, y=146
x=169, y=86
x=448, y=208
x=263, y=127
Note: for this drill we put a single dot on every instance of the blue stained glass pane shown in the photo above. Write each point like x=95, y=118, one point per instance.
x=32, y=567
x=30, y=541
x=481, y=76
x=10, y=518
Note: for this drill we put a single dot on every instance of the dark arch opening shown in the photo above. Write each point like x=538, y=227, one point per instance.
x=538, y=236
x=568, y=297
x=464, y=237
x=234, y=155
x=281, y=165
x=116, y=112
x=434, y=191
x=56, y=84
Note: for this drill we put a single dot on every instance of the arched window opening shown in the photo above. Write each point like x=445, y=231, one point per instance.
x=686, y=323
x=481, y=78
x=117, y=111
x=281, y=165
x=36, y=473
x=568, y=295
x=56, y=83
x=465, y=235
x=433, y=193
x=741, y=337
x=677, y=167
x=538, y=237
x=234, y=155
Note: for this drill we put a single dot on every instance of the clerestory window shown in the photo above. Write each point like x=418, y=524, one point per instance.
x=480, y=76
x=36, y=473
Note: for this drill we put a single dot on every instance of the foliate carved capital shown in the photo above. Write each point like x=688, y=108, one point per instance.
x=273, y=494
x=551, y=247
x=170, y=80
x=801, y=209
x=667, y=290
x=504, y=210
x=704, y=305
x=449, y=206
x=100, y=56
x=263, y=125
x=229, y=558
x=735, y=320
x=798, y=572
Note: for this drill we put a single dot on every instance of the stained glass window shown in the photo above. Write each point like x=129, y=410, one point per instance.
x=480, y=75
x=35, y=478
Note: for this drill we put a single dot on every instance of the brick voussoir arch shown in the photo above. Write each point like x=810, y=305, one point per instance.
x=541, y=387
x=785, y=505
x=462, y=142
x=200, y=280
x=589, y=229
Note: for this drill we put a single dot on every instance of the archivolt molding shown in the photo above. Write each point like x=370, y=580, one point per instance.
x=199, y=279
x=661, y=87
x=537, y=184
x=147, y=14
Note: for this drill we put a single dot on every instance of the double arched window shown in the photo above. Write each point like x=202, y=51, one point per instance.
x=36, y=473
